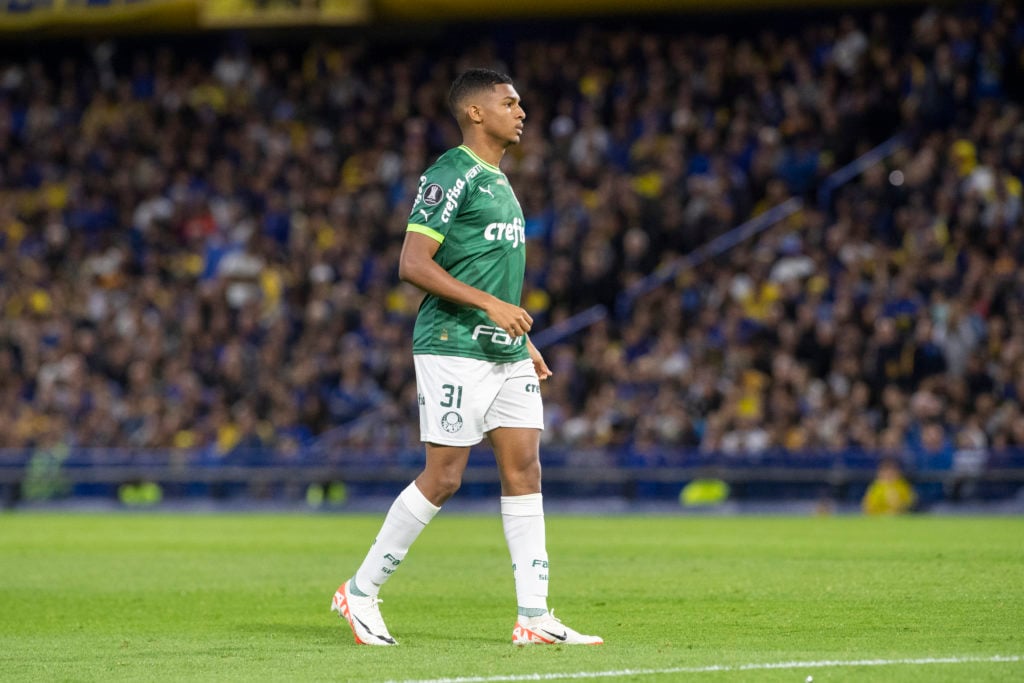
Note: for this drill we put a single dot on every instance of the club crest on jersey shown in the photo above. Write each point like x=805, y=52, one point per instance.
x=433, y=194
x=513, y=232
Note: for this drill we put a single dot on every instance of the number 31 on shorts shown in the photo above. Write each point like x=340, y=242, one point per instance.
x=452, y=396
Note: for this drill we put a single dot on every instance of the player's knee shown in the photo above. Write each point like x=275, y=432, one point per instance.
x=442, y=484
x=522, y=480
x=449, y=484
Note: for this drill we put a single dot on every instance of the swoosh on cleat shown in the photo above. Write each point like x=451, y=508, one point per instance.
x=556, y=636
x=384, y=638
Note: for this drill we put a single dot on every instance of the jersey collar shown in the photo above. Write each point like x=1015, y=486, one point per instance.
x=490, y=167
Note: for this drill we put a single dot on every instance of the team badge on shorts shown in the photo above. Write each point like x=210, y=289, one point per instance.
x=451, y=422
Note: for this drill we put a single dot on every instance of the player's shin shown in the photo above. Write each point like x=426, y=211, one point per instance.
x=523, y=520
x=408, y=516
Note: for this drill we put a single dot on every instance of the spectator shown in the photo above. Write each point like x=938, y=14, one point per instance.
x=889, y=493
x=189, y=245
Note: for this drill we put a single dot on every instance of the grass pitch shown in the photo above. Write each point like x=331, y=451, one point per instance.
x=93, y=597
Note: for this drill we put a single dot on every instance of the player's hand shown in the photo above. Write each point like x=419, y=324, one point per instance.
x=513, y=319
x=543, y=371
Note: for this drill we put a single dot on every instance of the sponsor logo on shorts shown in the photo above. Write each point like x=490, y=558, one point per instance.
x=533, y=388
x=451, y=422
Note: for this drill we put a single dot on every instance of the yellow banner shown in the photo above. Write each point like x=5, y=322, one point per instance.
x=426, y=10
x=243, y=13
x=64, y=17
x=89, y=16
x=70, y=17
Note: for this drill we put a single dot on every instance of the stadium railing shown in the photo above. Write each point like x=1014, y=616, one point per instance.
x=706, y=252
x=853, y=169
x=717, y=246
x=623, y=472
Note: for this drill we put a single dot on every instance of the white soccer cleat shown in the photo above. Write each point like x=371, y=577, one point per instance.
x=548, y=630
x=363, y=615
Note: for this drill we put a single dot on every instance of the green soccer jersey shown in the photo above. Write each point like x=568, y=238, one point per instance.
x=468, y=206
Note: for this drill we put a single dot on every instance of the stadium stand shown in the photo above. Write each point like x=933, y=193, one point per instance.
x=198, y=253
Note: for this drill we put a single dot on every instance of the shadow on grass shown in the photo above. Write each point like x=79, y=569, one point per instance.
x=334, y=631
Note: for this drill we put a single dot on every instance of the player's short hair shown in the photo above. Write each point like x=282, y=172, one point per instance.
x=471, y=82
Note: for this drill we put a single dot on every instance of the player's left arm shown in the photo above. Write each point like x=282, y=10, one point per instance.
x=543, y=371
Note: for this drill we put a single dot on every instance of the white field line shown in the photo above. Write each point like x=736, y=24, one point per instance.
x=824, y=664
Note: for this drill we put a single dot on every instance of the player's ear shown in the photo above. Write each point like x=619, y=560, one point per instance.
x=474, y=112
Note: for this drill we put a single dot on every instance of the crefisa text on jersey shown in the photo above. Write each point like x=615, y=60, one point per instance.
x=513, y=232
x=453, y=200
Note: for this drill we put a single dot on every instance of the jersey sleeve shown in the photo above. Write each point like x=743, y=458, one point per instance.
x=442, y=192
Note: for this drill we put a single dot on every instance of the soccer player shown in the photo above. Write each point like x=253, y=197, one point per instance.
x=477, y=373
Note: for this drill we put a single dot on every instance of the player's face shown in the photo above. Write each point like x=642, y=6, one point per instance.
x=504, y=114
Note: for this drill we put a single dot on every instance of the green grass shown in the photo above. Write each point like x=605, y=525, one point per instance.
x=229, y=597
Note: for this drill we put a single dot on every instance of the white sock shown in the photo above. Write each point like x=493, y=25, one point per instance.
x=408, y=516
x=523, y=520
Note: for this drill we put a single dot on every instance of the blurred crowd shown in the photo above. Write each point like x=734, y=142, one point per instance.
x=201, y=253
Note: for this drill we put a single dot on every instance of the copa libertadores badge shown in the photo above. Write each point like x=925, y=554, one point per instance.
x=433, y=194
x=451, y=422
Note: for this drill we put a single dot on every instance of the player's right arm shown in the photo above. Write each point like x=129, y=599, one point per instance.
x=417, y=266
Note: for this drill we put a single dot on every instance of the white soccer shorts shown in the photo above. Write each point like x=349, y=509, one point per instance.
x=461, y=399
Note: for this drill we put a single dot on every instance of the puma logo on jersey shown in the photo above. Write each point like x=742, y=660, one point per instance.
x=488, y=191
x=426, y=216
x=513, y=232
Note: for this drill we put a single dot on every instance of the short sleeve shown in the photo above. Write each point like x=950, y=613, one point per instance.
x=441, y=193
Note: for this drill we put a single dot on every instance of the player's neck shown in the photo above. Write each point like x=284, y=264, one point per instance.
x=489, y=151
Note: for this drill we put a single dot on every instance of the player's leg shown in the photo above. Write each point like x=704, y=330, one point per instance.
x=442, y=475
x=517, y=419
x=517, y=452
x=356, y=599
x=448, y=425
x=410, y=514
